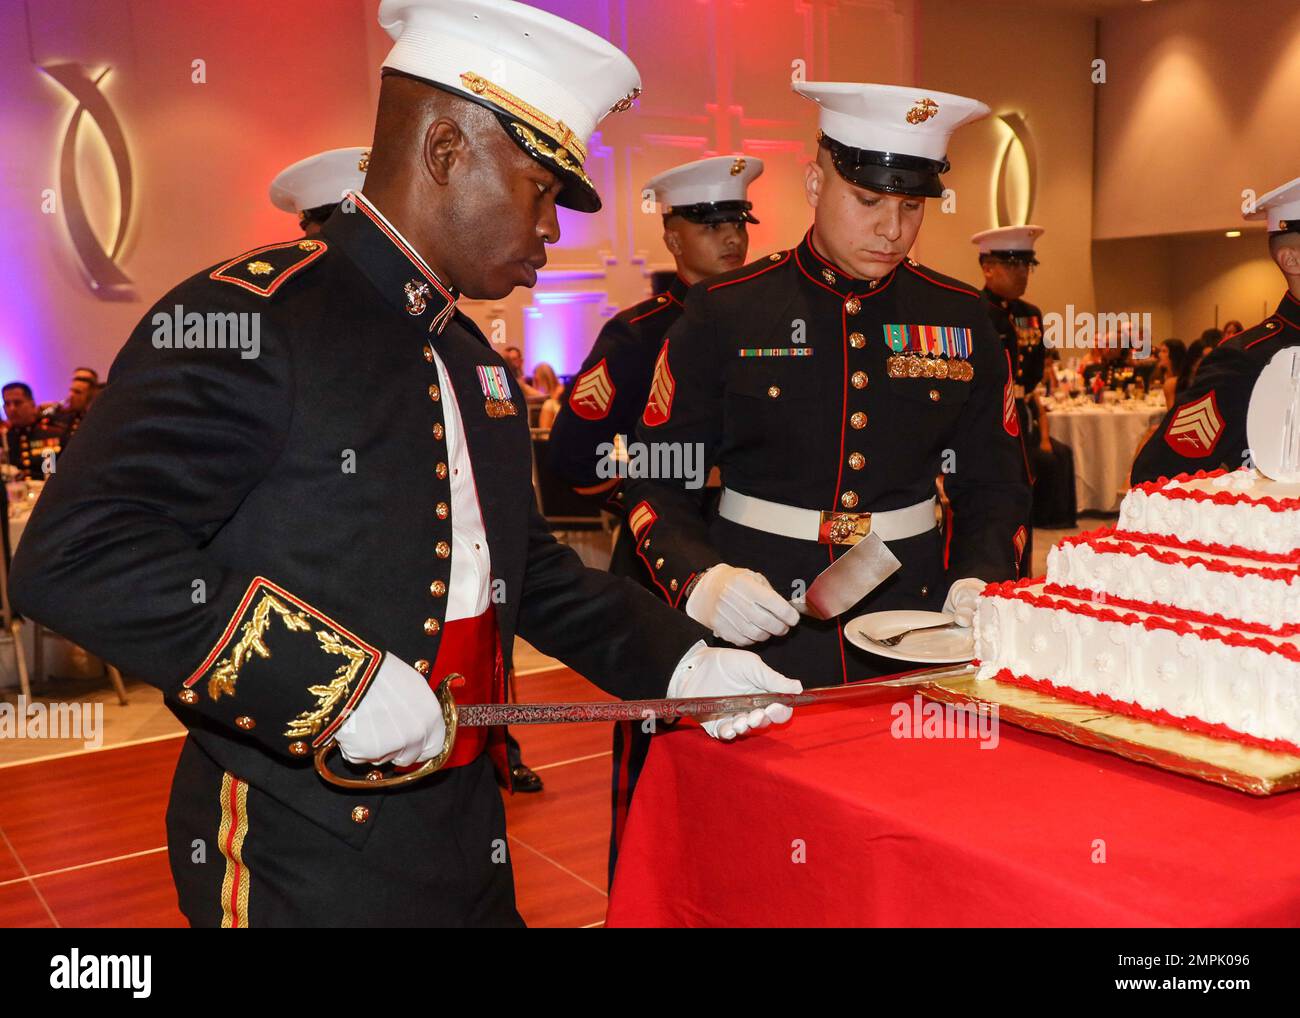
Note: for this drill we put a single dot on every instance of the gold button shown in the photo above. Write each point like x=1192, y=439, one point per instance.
x=437, y=588
x=663, y=300
x=438, y=432
x=374, y=775
x=299, y=748
x=423, y=667
x=646, y=545
x=442, y=509
x=441, y=471
x=829, y=276
x=859, y=379
x=925, y=591
x=858, y=420
x=672, y=584
x=245, y=723
x=853, y=305
x=849, y=499
x=659, y=563
x=934, y=395
x=857, y=461
x=873, y=284
x=435, y=393
x=442, y=549
x=360, y=814
x=857, y=340
x=774, y=391
x=431, y=627
x=188, y=696
x=428, y=353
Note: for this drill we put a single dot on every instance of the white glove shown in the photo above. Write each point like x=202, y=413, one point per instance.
x=739, y=605
x=963, y=595
x=398, y=721
x=719, y=671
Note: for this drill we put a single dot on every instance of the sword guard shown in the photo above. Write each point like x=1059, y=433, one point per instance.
x=449, y=717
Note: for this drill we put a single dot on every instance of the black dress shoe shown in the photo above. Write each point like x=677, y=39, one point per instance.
x=525, y=779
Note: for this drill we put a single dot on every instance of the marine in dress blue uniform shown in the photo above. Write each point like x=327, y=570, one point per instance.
x=831, y=402
x=707, y=211
x=1206, y=427
x=206, y=536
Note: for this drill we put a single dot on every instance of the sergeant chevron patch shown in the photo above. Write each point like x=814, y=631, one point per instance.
x=660, y=404
x=1195, y=429
x=593, y=393
x=1010, y=419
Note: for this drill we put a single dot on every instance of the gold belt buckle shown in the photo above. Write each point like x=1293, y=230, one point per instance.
x=843, y=528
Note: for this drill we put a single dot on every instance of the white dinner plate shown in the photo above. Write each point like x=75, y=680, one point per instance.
x=938, y=646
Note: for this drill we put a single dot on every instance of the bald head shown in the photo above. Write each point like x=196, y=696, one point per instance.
x=475, y=205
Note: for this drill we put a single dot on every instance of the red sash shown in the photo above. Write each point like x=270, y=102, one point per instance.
x=472, y=648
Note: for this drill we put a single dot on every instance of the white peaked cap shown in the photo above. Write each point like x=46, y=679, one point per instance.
x=549, y=81
x=719, y=181
x=1008, y=238
x=320, y=179
x=1281, y=207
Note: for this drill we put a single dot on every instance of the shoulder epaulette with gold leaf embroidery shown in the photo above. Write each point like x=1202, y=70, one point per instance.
x=263, y=270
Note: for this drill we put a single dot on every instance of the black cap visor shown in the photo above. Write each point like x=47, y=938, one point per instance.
x=889, y=172
x=709, y=212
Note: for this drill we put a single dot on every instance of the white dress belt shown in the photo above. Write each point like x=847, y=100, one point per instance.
x=813, y=525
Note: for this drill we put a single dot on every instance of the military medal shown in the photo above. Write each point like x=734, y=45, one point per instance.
x=496, y=387
x=929, y=351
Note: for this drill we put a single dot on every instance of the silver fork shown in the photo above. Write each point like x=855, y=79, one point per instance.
x=893, y=641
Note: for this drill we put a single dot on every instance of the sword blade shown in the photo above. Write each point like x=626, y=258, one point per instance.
x=479, y=715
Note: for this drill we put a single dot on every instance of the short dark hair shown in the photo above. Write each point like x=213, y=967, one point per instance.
x=27, y=389
x=94, y=375
x=316, y=215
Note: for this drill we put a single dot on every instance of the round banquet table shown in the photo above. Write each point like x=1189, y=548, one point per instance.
x=1104, y=438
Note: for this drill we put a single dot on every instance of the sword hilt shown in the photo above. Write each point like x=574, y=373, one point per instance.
x=375, y=779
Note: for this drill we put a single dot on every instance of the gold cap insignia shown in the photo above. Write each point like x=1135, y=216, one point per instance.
x=922, y=111
x=625, y=104
x=738, y=167
x=363, y=164
x=261, y=268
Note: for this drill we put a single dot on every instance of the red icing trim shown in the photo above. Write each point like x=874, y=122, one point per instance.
x=785, y=257
x=1205, y=618
x=1169, y=558
x=1011, y=591
x=1235, y=550
x=1277, y=505
x=1133, y=710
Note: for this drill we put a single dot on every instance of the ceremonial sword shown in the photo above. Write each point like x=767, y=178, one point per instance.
x=478, y=715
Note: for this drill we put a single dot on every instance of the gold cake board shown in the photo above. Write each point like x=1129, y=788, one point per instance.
x=1220, y=761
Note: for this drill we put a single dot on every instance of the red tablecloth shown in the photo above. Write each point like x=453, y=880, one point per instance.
x=928, y=832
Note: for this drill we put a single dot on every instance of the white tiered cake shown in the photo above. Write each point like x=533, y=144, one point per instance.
x=1187, y=612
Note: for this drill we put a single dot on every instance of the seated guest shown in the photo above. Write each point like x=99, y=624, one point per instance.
x=1170, y=359
x=1231, y=328
x=1212, y=338
x=30, y=434
x=81, y=393
x=546, y=381
x=1195, y=354
x=515, y=358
